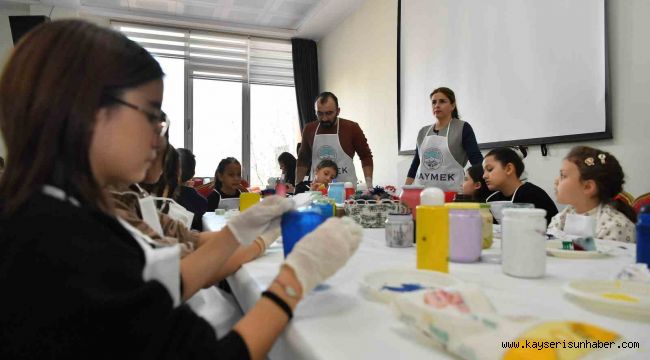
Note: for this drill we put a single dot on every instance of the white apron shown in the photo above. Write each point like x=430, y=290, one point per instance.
x=327, y=146
x=161, y=264
x=512, y=200
x=438, y=168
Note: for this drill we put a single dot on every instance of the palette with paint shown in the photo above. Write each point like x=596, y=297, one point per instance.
x=559, y=248
x=384, y=285
x=630, y=298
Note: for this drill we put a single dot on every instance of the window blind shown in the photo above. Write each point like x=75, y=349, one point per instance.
x=218, y=56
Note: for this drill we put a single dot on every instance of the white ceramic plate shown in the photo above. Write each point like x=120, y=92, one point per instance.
x=554, y=248
x=631, y=298
x=384, y=285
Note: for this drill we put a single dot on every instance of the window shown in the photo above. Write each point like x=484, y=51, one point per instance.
x=226, y=95
x=174, y=97
x=274, y=129
x=217, y=123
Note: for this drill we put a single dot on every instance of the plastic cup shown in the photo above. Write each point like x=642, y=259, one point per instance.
x=247, y=200
x=297, y=224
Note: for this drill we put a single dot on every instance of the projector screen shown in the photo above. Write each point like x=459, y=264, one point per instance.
x=524, y=72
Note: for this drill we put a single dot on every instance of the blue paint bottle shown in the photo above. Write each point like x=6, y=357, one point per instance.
x=643, y=236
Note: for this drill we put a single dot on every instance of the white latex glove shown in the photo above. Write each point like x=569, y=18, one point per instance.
x=258, y=219
x=322, y=252
x=267, y=239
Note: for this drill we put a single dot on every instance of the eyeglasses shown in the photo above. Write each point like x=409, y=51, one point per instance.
x=159, y=121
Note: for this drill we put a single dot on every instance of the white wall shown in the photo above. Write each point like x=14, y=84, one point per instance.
x=55, y=13
x=357, y=62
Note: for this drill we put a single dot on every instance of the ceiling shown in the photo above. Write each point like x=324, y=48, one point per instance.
x=282, y=18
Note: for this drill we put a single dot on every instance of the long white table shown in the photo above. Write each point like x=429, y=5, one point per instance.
x=338, y=322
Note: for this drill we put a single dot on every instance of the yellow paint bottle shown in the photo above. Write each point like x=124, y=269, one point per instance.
x=432, y=231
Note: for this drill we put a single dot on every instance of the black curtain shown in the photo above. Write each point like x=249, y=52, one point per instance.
x=305, y=77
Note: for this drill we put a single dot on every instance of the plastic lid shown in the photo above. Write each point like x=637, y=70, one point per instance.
x=400, y=216
x=336, y=184
x=463, y=206
x=432, y=196
x=523, y=212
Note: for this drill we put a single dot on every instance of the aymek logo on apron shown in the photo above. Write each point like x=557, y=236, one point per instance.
x=432, y=158
x=326, y=152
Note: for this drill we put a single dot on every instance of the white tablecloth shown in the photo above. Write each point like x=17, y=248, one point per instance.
x=340, y=323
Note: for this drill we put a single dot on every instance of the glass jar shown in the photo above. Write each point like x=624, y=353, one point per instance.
x=523, y=243
x=488, y=236
x=465, y=232
x=399, y=230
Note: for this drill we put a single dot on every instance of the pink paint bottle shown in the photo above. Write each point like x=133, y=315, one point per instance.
x=411, y=196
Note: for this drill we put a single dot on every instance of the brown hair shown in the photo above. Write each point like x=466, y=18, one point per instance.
x=505, y=156
x=326, y=95
x=451, y=96
x=221, y=169
x=603, y=168
x=168, y=183
x=327, y=163
x=56, y=79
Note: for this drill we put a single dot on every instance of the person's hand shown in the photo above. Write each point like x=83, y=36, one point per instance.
x=315, y=186
x=267, y=239
x=259, y=218
x=322, y=252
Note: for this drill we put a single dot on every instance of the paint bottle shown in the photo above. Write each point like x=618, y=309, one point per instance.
x=411, y=197
x=465, y=232
x=349, y=190
x=336, y=192
x=486, y=215
x=643, y=236
x=432, y=231
x=325, y=206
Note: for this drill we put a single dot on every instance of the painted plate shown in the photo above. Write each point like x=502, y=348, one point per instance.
x=385, y=285
x=631, y=298
x=554, y=248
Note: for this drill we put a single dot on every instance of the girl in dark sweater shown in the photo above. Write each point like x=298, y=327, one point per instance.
x=502, y=171
x=85, y=284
